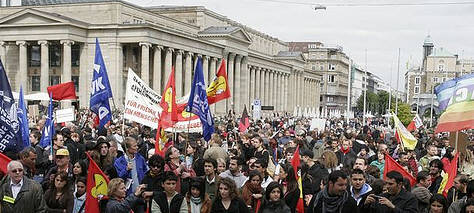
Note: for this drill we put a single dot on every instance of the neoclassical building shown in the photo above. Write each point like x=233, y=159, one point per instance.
x=45, y=44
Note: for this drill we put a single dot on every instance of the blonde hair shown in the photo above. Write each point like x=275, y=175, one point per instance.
x=329, y=159
x=113, y=187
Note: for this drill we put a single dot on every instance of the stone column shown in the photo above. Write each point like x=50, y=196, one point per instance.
x=245, y=83
x=44, y=77
x=262, y=86
x=212, y=71
x=230, y=75
x=116, y=73
x=179, y=73
x=188, y=71
x=3, y=52
x=272, y=91
x=279, y=94
x=286, y=105
x=66, y=74
x=221, y=105
x=168, y=64
x=268, y=87
x=145, y=68
x=252, y=85
x=157, y=85
x=275, y=89
x=84, y=80
x=237, y=85
x=23, y=65
x=257, y=83
x=205, y=69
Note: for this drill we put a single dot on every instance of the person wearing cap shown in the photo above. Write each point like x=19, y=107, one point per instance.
x=19, y=193
x=63, y=164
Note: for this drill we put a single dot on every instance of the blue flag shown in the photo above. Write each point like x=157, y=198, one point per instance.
x=48, y=129
x=198, y=104
x=10, y=136
x=23, y=119
x=100, y=89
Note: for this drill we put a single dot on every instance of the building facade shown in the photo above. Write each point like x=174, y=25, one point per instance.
x=438, y=66
x=333, y=65
x=44, y=45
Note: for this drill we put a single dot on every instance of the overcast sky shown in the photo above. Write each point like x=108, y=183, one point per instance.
x=379, y=29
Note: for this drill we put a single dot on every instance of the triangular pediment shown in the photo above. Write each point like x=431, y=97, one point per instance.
x=226, y=31
x=36, y=17
x=242, y=35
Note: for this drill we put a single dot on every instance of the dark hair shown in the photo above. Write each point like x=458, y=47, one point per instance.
x=396, y=176
x=211, y=161
x=423, y=175
x=365, y=160
x=198, y=183
x=377, y=186
x=156, y=160
x=270, y=187
x=254, y=173
x=168, y=152
x=336, y=175
x=402, y=153
x=307, y=152
x=239, y=162
x=262, y=163
x=440, y=199
x=449, y=153
x=357, y=171
x=469, y=202
x=290, y=150
x=26, y=152
x=470, y=189
x=437, y=163
x=169, y=175
x=407, y=184
x=83, y=165
x=230, y=184
x=64, y=177
x=291, y=182
x=81, y=179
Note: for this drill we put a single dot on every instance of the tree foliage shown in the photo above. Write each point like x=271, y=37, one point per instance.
x=377, y=104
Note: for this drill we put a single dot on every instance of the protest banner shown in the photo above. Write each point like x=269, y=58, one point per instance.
x=141, y=102
x=192, y=126
x=318, y=123
x=65, y=115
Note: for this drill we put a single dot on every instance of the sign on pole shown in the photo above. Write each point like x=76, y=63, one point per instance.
x=141, y=102
x=257, y=109
x=65, y=115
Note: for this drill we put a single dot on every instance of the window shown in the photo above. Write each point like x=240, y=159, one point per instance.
x=313, y=68
x=444, y=79
x=55, y=79
x=332, y=67
x=75, y=79
x=330, y=99
x=417, y=89
x=35, y=83
x=435, y=79
x=331, y=79
x=441, y=67
x=321, y=67
x=417, y=80
x=55, y=56
x=34, y=56
x=75, y=55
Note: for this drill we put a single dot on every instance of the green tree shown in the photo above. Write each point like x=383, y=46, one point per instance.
x=404, y=112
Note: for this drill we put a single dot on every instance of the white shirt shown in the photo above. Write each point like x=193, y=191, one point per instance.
x=16, y=188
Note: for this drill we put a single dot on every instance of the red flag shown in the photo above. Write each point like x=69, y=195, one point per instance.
x=244, y=121
x=63, y=91
x=4, y=160
x=295, y=162
x=392, y=165
x=411, y=127
x=169, y=116
x=97, y=183
x=159, y=141
x=219, y=88
x=257, y=207
x=452, y=172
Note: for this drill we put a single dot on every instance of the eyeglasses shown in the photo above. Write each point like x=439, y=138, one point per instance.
x=17, y=171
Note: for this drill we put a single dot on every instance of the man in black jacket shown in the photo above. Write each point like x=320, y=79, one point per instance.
x=396, y=200
x=335, y=197
x=316, y=173
x=161, y=199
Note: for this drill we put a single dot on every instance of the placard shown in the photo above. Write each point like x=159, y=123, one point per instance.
x=65, y=115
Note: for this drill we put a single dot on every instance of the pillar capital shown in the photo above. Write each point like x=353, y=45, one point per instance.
x=169, y=50
x=145, y=44
x=158, y=47
x=231, y=56
x=2, y=43
x=188, y=54
x=214, y=59
x=21, y=43
x=66, y=42
x=179, y=52
x=206, y=57
x=43, y=42
x=238, y=58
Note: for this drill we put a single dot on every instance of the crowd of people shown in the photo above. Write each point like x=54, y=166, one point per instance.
x=341, y=170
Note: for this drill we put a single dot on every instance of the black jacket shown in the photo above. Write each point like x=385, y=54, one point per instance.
x=174, y=206
x=274, y=207
x=237, y=205
x=404, y=202
x=350, y=206
x=153, y=183
x=77, y=151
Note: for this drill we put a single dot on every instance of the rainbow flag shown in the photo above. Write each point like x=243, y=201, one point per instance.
x=456, y=98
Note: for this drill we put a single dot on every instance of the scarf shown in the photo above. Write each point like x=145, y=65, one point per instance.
x=329, y=203
x=345, y=151
x=196, y=200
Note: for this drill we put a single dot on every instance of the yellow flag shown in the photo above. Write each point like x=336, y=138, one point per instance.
x=409, y=141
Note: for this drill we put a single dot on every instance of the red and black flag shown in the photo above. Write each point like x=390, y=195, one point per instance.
x=244, y=121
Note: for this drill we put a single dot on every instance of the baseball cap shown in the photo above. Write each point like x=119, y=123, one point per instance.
x=62, y=152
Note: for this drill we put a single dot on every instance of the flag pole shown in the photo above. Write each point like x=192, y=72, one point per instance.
x=398, y=77
x=431, y=110
x=456, y=141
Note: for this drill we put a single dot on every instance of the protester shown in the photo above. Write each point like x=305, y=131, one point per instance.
x=273, y=201
x=234, y=172
x=118, y=201
x=197, y=199
x=211, y=178
x=169, y=200
x=227, y=199
x=252, y=191
x=19, y=193
x=359, y=189
x=131, y=167
x=58, y=197
x=438, y=204
x=80, y=195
